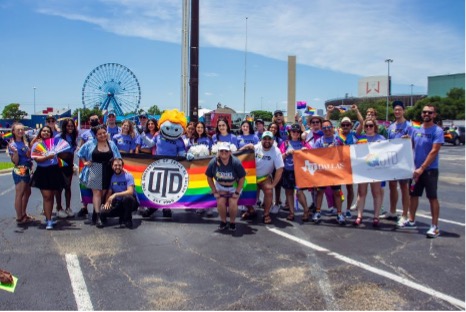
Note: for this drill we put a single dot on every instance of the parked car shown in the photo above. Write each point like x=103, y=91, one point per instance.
x=461, y=134
x=451, y=136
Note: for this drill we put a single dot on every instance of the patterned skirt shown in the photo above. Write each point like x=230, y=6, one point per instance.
x=99, y=176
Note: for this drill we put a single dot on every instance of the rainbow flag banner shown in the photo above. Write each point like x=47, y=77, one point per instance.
x=310, y=111
x=416, y=124
x=301, y=104
x=178, y=184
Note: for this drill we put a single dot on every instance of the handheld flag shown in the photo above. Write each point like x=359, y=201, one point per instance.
x=301, y=104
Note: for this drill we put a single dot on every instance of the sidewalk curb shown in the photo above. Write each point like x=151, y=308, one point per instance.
x=6, y=170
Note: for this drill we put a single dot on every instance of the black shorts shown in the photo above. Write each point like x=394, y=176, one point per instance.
x=333, y=187
x=427, y=180
x=288, y=180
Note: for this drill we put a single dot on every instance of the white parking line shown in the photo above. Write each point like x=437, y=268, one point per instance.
x=81, y=295
x=440, y=219
x=393, y=277
x=11, y=189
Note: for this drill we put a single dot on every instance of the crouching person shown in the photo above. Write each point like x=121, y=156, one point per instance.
x=121, y=199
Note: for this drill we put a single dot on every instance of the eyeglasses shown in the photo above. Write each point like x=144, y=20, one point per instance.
x=369, y=126
x=428, y=112
x=327, y=128
x=315, y=122
x=345, y=125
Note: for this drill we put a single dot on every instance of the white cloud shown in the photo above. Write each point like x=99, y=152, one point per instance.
x=343, y=36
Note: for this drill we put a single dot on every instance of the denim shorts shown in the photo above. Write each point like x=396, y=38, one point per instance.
x=21, y=174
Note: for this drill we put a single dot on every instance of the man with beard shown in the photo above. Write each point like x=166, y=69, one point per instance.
x=121, y=198
x=268, y=159
x=400, y=128
x=427, y=142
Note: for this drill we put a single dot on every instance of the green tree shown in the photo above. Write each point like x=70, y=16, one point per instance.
x=449, y=107
x=264, y=115
x=86, y=113
x=154, y=110
x=12, y=111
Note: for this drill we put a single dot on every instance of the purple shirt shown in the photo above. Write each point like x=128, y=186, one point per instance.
x=423, y=140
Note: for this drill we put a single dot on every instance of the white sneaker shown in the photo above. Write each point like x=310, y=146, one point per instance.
x=62, y=214
x=433, y=232
x=353, y=207
x=389, y=216
x=401, y=221
x=275, y=209
x=69, y=212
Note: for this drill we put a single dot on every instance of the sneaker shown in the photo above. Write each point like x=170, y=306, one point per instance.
x=275, y=209
x=232, y=227
x=401, y=221
x=408, y=225
x=433, y=232
x=353, y=207
x=167, y=213
x=341, y=219
x=49, y=225
x=222, y=226
x=82, y=213
x=348, y=214
x=210, y=212
x=316, y=217
x=333, y=211
x=389, y=216
x=69, y=212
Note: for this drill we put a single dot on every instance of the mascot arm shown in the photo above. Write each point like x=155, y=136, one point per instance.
x=148, y=142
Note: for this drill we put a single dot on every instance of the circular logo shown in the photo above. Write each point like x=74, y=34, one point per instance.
x=164, y=181
x=372, y=160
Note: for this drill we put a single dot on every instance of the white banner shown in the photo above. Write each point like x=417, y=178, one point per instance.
x=382, y=161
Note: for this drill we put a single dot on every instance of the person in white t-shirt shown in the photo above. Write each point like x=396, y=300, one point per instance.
x=268, y=159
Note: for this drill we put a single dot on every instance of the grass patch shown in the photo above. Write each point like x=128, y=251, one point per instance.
x=6, y=165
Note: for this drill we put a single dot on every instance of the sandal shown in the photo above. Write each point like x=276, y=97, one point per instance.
x=267, y=219
x=358, y=221
x=305, y=217
x=290, y=217
x=24, y=219
x=375, y=222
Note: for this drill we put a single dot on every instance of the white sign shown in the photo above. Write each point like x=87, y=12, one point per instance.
x=373, y=86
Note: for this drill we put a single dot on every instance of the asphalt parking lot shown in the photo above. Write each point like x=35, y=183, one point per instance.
x=185, y=263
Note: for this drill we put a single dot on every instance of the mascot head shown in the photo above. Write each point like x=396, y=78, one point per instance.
x=172, y=124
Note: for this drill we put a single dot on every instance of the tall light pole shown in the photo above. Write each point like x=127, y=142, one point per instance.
x=388, y=61
x=245, y=63
x=412, y=95
x=34, y=100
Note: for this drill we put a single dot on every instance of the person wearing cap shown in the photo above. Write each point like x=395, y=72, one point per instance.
x=280, y=120
x=287, y=148
x=398, y=129
x=50, y=121
x=226, y=176
x=112, y=128
x=143, y=117
x=329, y=139
x=348, y=137
x=259, y=127
x=269, y=168
x=311, y=136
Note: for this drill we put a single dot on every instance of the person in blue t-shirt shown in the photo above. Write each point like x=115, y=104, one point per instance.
x=223, y=133
x=126, y=139
x=427, y=142
x=246, y=135
x=121, y=198
x=112, y=128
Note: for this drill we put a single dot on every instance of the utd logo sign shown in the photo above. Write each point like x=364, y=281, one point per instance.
x=164, y=181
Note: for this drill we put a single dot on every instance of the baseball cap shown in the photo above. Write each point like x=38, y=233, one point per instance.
x=224, y=146
x=295, y=127
x=259, y=121
x=277, y=112
x=346, y=119
x=111, y=113
x=143, y=114
x=267, y=134
x=50, y=116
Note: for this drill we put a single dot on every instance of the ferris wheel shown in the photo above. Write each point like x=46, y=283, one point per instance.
x=112, y=86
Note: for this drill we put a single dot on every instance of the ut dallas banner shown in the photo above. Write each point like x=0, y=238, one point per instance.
x=354, y=164
x=172, y=183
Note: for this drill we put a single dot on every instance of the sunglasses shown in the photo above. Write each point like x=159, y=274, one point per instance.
x=51, y=120
x=327, y=128
x=345, y=125
x=142, y=117
x=428, y=112
x=276, y=115
x=315, y=122
x=369, y=126
x=294, y=131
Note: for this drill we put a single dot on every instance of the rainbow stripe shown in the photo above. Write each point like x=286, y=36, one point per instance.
x=310, y=111
x=198, y=194
x=62, y=163
x=416, y=124
x=362, y=139
x=7, y=136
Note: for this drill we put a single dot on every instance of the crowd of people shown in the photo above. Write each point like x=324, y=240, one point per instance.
x=113, y=188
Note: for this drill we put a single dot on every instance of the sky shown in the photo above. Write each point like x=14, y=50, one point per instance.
x=53, y=45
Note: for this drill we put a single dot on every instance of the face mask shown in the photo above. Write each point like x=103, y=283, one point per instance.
x=94, y=123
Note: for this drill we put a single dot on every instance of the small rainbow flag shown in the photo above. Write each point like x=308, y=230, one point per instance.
x=62, y=163
x=416, y=124
x=342, y=110
x=310, y=111
x=7, y=136
x=301, y=104
x=342, y=136
x=198, y=194
x=362, y=139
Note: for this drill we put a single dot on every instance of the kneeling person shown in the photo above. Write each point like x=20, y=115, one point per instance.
x=121, y=200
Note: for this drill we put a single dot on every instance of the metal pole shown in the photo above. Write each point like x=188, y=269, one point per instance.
x=194, y=63
x=34, y=100
x=411, y=95
x=388, y=61
x=245, y=63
